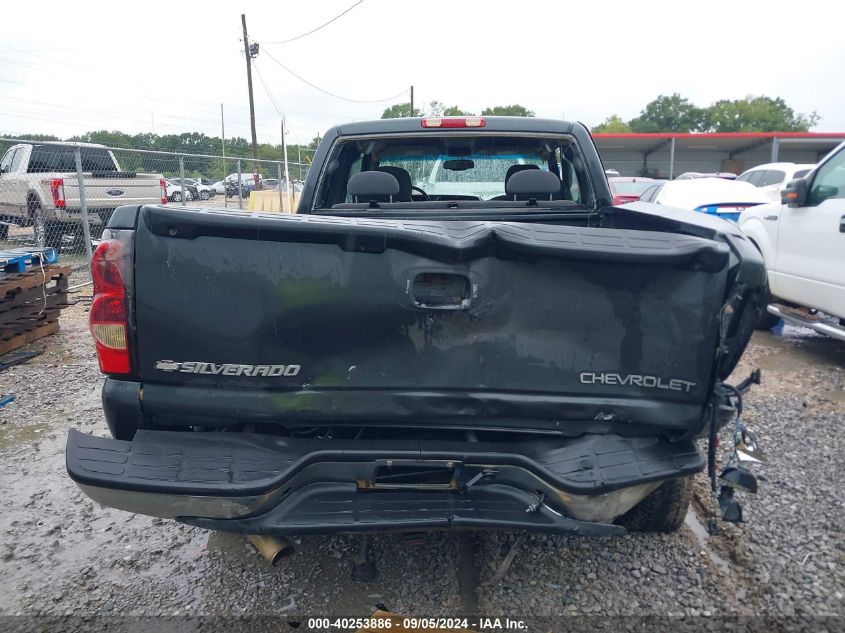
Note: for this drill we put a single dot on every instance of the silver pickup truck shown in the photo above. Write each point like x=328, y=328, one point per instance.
x=39, y=187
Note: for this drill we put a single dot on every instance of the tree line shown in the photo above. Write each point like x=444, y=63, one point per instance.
x=438, y=108
x=674, y=113
x=666, y=113
x=187, y=143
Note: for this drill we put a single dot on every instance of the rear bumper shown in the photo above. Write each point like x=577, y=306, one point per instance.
x=260, y=484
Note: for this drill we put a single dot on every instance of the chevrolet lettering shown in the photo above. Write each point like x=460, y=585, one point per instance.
x=648, y=382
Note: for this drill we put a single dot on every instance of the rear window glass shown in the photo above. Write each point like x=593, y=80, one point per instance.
x=454, y=167
x=629, y=188
x=801, y=173
x=46, y=158
x=484, y=180
x=754, y=177
x=771, y=177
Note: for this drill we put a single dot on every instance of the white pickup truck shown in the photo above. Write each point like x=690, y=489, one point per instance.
x=39, y=187
x=802, y=240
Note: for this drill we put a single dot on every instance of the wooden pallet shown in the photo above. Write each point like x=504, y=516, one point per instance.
x=49, y=304
x=37, y=296
x=13, y=283
x=30, y=303
x=27, y=337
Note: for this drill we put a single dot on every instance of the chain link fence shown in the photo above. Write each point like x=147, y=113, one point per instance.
x=62, y=195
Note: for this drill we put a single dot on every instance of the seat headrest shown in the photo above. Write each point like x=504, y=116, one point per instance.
x=403, y=178
x=533, y=184
x=517, y=168
x=372, y=185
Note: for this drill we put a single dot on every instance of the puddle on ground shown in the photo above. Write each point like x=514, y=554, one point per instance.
x=697, y=528
x=796, y=348
x=834, y=395
x=12, y=436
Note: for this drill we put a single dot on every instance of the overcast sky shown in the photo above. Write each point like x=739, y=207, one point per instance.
x=165, y=67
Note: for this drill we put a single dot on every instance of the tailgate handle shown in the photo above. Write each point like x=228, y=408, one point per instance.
x=441, y=291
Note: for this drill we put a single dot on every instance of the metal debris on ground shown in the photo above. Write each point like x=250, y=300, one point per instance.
x=10, y=360
x=506, y=562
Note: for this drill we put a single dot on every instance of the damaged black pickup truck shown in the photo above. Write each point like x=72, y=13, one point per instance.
x=456, y=330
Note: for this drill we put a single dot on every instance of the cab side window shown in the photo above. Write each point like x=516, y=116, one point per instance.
x=829, y=181
x=771, y=177
x=8, y=157
x=16, y=161
x=755, y=177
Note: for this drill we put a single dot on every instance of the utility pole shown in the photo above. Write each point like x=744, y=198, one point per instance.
x=412, y=101
x=223, y=134
x=223, y=142
x=287, y=174
x=249, y=53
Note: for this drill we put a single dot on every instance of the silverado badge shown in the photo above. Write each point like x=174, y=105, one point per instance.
x=226, y=369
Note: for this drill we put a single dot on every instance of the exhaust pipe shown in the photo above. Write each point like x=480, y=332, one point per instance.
x=273, y=548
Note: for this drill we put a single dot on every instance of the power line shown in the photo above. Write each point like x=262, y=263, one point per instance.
x=267, y=90
x=331, y=94
x=276, y=106
x=299, y=37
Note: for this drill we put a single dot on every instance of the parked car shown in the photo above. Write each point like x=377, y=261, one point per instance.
x=38, y=188
x=716, y=196
x=245, y=176
x=802, y=240
x=199, y=190
x=692, y=175
x=270, y=183
x=247, y=184
x=228, y=188
x=628, y=188
x=372, y=364
x=772, y=177
x=174, y=192
x=191, y=192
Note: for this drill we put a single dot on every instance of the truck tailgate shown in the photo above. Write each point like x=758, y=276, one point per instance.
x=307, y=318
x=109, y=192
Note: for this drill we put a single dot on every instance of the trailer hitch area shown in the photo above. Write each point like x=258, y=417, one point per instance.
x=753, y=379
x=735, y=475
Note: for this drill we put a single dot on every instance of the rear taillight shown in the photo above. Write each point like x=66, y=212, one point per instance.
x=163, y=191
x=452, y=122
x=620, y=199
x=108, y=319
x=57, y=189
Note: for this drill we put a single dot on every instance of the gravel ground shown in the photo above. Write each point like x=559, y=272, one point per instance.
x=63, y=554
